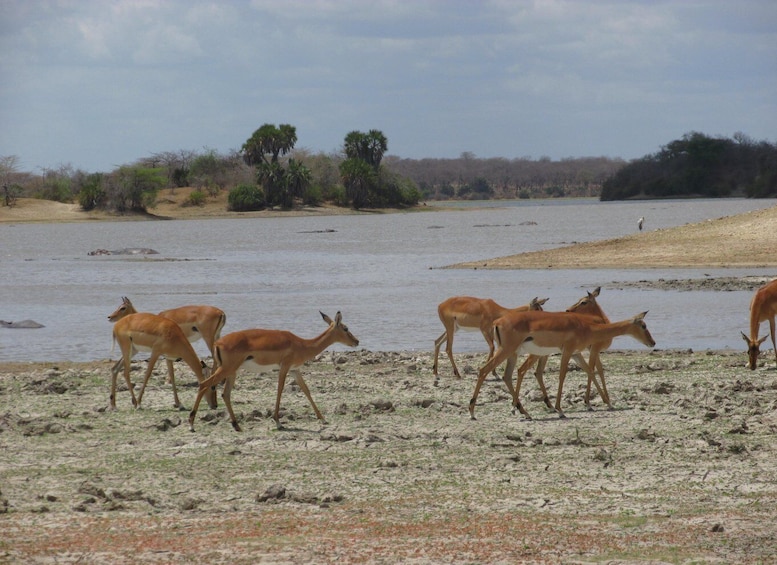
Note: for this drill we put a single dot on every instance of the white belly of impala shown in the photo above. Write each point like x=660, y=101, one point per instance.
x=254, y=367
x=533, y=349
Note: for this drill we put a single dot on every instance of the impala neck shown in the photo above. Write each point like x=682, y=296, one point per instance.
x=611, y=330
x=318, y=344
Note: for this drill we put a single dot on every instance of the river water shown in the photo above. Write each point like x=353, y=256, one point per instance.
x=382, y=271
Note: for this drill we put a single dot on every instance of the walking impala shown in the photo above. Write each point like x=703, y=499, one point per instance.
x=270, y=349
x=762, y=307
x=546, y=333
x=160, y=336
x=472, y=313
x=589, y=306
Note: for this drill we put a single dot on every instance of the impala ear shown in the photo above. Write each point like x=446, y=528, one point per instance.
x=763, y=339
x=641, y=316
x=327, y=319
x=339, y=318
x=596, y=292
x=747, y=339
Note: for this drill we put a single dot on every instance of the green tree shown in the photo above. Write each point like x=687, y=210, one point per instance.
x=92, y=194
x=358, y=177
x=298, y=178
x=135, y=188
x=369, y=147
x=268, y=143
x=263, y=151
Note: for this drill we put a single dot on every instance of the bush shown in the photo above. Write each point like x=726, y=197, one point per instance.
x=312, y=195
x=196, y=198
x=246, y=198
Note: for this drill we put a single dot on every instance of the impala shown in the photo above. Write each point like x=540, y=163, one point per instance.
x=586, y=305
x=762, y=307
x=472, y=313
x=196, y=322
x=160, y=336
x=546, y=333
x=267, y=350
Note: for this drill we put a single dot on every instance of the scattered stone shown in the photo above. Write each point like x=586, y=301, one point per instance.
x=274, y=492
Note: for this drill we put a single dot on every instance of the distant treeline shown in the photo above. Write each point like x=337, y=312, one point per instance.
x=698, y=165
x=469, y=177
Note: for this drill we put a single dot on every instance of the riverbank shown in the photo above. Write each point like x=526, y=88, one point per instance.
x=746, y=240
x=681, y=471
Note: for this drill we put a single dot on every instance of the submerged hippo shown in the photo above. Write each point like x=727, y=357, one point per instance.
x=23, y=324
x=125, y=251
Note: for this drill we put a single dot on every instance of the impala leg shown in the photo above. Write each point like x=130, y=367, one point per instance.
x=604, y=391
x=171, y=380
x=301, y=382
x=588, y=368
x=227, y=396
x=151, y=363
x=114, y=376
x=449, y=351
x=170, y=376
x=541, y=364
x=562, y=374
x=511, y=363
x=127, y=359
x=282, y=372
x=774, y=339
x=489, y=337
x=437, y=345
x=208, y=385
x=495, y=361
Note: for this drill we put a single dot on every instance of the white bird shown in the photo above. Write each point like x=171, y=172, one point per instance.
x=640, y=222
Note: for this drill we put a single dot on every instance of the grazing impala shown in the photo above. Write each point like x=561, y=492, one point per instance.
x=266, y=350
x=546, y=333
x=472, y=313
x=762, y=307
x=196, y=322
x=160, y=336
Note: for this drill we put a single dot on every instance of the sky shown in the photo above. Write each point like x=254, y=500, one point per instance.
x=95, y=84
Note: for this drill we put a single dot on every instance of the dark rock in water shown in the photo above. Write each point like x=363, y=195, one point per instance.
x=23, y=325
x=125, y=251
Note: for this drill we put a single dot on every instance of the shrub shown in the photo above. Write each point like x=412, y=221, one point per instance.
x=245, y=198
x=196, y=198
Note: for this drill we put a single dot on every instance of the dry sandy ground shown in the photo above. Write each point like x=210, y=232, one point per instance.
x=682, y=471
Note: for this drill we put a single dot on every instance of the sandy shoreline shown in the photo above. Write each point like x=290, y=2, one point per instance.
x=746, y=240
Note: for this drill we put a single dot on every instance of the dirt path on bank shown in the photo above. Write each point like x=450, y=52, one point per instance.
x=682, y=471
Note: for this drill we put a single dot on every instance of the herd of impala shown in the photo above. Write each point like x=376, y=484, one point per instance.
x=509, y=332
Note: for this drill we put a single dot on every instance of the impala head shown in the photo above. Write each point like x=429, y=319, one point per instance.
x=342, y=334
x=753, y=350
x=125, y=309
x=536, y=303
x=587, y=304
x=640, y=331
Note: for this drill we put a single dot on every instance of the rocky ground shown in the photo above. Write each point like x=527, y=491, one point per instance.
x=682, y=471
